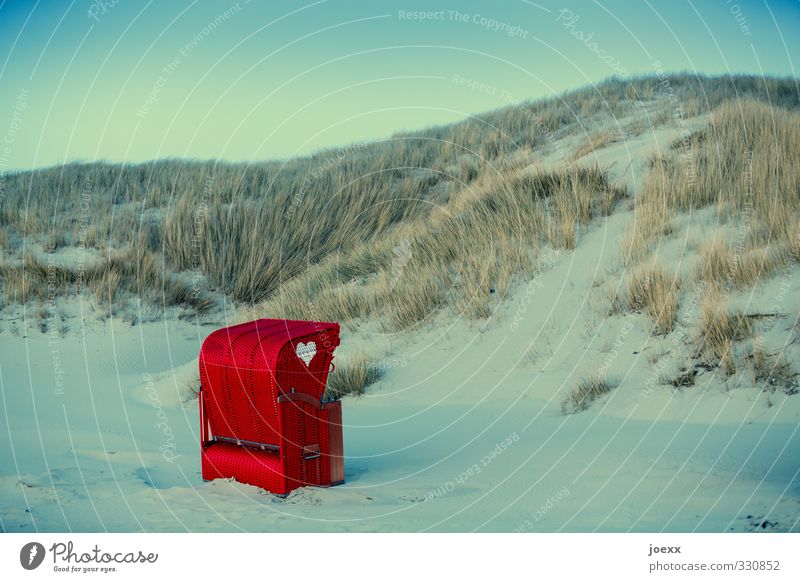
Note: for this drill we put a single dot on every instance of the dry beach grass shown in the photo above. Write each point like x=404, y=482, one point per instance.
x=446, y=220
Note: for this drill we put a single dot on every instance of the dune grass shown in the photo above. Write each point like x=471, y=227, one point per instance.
x=134, y=275
x=587, y=391
x=352, y=375
x=743, y=166
x=719, y=328
x=250, y=229
x=654, y=290
x=724, y=265
x=5, y=241
x=595, y=142
x=465, y=255
x=744, y=163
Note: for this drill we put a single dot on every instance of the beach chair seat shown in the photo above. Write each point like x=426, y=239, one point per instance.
x=263, y=420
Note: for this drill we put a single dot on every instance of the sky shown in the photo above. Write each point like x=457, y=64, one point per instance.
x=132, y=81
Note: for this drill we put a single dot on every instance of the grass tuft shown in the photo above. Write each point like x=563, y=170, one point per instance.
x=352, y=375
x=587, y=391
x=653, y=290
x=718, y=327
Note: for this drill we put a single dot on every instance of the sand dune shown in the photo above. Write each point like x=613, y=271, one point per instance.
x=464, y=431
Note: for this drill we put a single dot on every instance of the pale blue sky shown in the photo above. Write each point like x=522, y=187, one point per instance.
x=134, y=81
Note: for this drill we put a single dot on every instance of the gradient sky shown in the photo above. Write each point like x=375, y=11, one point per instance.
x=86, y=80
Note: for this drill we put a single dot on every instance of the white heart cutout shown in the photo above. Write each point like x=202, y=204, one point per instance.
x=306, y=352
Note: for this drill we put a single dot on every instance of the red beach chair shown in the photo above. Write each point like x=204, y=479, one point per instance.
x=262, y=418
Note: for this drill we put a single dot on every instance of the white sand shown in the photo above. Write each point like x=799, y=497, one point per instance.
x=463, y=433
